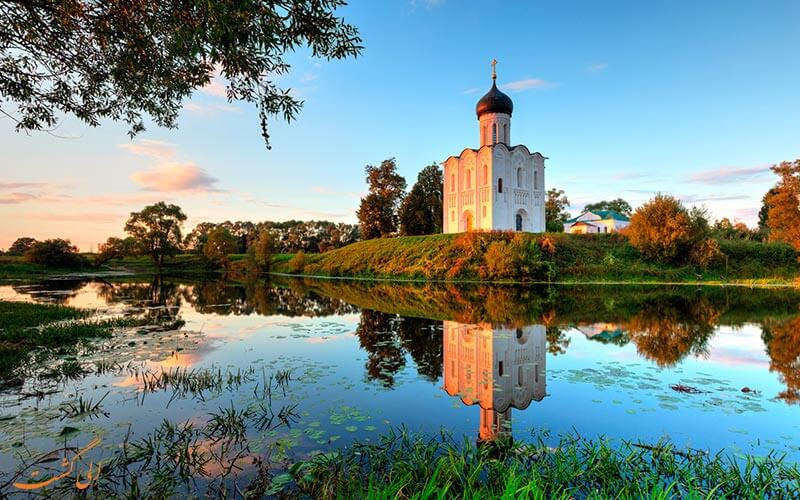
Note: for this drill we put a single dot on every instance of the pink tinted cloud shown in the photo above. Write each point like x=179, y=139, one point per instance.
x=16, y=198
x=175, y=177
x=729, y=175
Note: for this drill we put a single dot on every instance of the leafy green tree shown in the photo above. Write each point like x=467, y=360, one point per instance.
x=55, y=253
x=20, y=246
x=555, y=210
x=421, y=211
x=219, y=245
x=378, y=212
x=114, y=248
x=619, y=205
x=132, y=60
x=725, y=230
x=195, y=241
x=156, y=231
x=763, y=214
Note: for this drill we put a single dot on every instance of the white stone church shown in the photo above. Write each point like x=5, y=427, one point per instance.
x=497, y=186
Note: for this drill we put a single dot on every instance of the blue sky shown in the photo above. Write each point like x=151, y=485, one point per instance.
x=627, y=99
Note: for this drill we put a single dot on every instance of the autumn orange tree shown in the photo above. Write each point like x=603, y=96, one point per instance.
x=665, y=231
x=783, y=204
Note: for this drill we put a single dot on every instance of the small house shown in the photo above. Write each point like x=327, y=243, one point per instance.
x=597, y=221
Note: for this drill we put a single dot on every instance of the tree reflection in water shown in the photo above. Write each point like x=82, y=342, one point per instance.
x=666, y=324
x=782, y=341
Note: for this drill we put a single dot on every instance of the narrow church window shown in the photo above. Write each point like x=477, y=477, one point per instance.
x=469, y=179
x=519, y=225
x=452, y=182
x=519, y=376
x=499, y=185
x=519, y=330
x=484, y=210
x=519, y=177
x=500, y=368
x=505, y=134
x=535, y=180
x=485, y=175
x=452, y=216
x=494, y=133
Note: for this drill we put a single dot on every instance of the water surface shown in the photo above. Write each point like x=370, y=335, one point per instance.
x=711, y=369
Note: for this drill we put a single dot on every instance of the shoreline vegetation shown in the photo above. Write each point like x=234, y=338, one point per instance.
x=485, y=257
x=539, y=258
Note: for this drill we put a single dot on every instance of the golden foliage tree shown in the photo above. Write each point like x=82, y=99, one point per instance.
x=783, y=204
x=661, y=229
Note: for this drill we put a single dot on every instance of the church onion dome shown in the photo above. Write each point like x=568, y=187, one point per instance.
x=494, y=102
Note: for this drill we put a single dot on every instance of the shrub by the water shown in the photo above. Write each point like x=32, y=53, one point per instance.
x=55, y=253
x=297, y=263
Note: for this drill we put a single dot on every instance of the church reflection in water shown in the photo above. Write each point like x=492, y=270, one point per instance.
x=496, y=369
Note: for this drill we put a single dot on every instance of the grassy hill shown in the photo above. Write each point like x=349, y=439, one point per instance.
x=529, y=257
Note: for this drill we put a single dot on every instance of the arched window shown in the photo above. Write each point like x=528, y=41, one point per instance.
x=519, y=376
x=485, y=175
x=499, y=185
x=484, y=137
x=519, y=330
x=519, y=222
x=494, y=133
x=505, y=133
x=500, y=368
x=468, y=179
x=484, y=210
x=452, y=182
x=519, y=177
x=452, y=216
x=535, y=180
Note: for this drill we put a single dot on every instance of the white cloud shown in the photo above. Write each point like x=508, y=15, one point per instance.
x=197, y=108
x=148, y=147
x=526, y=84
x=594, y=68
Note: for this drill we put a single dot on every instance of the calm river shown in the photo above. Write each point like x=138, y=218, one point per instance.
x=712, y=369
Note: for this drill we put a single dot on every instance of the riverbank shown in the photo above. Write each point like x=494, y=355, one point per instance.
x=539, y=258
x=553, y=258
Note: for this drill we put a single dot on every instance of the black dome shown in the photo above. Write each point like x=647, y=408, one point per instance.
x=494, y=102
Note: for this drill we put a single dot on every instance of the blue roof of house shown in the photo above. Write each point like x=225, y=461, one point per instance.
x=603, y=214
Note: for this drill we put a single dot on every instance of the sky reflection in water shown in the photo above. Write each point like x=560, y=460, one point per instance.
x=480, y=362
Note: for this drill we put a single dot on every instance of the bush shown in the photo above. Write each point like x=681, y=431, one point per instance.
x=55, y=253
x=664, y=231
x=297, y=263
x=766, y=254
x=706, y=253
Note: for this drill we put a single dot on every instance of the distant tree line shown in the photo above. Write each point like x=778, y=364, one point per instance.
x=156, y=232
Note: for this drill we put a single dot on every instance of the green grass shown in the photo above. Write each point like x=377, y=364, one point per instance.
x=26, y=326
x=571, y=258
x=400, y=465
x=12, y=267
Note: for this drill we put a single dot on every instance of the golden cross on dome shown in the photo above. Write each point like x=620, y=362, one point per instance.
x=494, y=67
